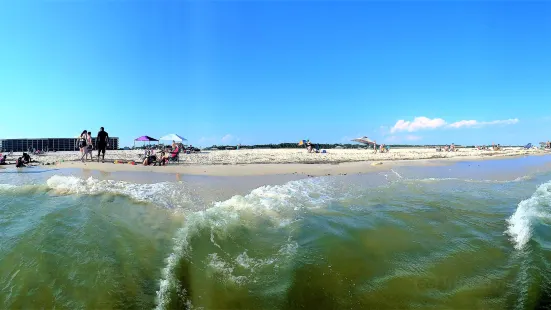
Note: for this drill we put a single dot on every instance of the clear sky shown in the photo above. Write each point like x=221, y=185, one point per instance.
x=466, y=72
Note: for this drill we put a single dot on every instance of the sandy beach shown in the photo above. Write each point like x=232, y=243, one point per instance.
x=280, y=161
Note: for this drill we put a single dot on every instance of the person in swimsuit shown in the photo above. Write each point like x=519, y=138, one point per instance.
x=102, y=142
x=19, y=163
x=89, y=145
x=85, y=141
x=82, y=141
x=26, y=158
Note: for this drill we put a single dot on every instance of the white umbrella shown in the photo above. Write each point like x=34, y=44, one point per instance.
x=364, y=140
x=173, y=137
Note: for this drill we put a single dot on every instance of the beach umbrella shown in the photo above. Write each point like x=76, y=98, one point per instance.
x=364, y=140
x=173, y=137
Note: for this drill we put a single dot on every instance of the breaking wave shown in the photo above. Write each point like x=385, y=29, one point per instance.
x=168, y=195
x=527, y=215
x=268, y=208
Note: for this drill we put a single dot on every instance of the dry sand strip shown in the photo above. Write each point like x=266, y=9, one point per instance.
x=296, y=156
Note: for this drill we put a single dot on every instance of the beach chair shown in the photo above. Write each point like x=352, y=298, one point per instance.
x=175, y=156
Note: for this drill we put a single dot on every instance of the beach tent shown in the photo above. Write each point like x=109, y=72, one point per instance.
x=144, y=139
x=173, y=137
x=364, y=140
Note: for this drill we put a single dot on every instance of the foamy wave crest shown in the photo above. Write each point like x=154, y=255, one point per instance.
x=21, y=189
x=170, y=195
x=7, y=187
x=276, y=206
x=528, y=212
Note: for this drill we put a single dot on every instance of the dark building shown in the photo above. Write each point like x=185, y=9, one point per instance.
x=48, y=144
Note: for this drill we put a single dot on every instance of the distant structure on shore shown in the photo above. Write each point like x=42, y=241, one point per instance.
x=48, y=144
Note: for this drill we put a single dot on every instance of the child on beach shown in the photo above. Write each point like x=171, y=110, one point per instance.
x=89, y=143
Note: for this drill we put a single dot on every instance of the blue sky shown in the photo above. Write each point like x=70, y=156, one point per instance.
x=467, y=72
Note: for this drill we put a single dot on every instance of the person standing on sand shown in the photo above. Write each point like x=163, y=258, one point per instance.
x=90, y=144
x=102, y=142
x=82, y=142
x=87, y=146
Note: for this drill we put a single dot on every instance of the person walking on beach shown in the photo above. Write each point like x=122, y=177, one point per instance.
x=82, y=142
x=87, y=146
x=90, y=145
x=102, y=142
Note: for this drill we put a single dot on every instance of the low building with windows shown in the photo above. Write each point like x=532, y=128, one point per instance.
x=48, y=144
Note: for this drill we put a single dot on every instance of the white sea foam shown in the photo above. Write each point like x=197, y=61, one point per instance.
x=251, y=263
x=170, y=195
x=7, y=187
x=279, y=205
x=528, y=212
x=396, y=173
x=221, y=267
x=21, y=189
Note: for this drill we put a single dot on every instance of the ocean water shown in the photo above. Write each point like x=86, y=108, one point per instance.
x=468, y=236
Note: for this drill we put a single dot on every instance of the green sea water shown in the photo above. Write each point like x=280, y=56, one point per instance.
x=430, y=238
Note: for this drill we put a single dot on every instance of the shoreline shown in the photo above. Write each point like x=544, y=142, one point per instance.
x=255, y=169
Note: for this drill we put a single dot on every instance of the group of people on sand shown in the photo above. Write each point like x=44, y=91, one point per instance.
x=383, y=148
x=310, y=147
x=447, y=148
x=86, y=145
x=487, y=148
x=22, y=161
x=162, y=157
